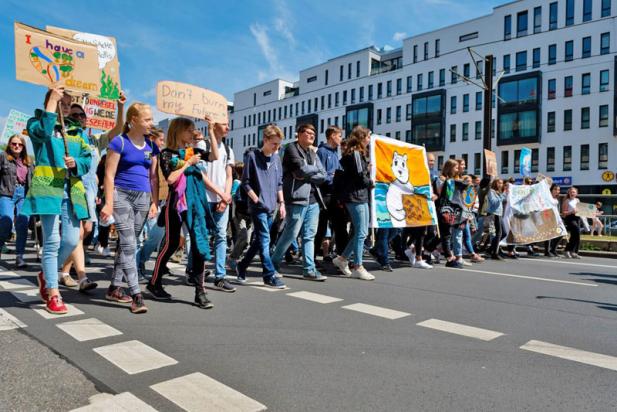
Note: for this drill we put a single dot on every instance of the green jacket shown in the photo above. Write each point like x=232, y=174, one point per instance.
x=48, y=180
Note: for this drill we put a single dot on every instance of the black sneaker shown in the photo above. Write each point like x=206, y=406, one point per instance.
x=224, y=286
x=189, y=279
x=158, y=293
x=202, y=301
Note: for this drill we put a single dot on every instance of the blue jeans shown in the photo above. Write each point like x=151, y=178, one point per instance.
x=58, y=246
x=384, y=236
x=262, y=222
x=220, y=239
x=467, y=239
x=10, y=208
x=303, y=218
x=457, y=241
x=155, y=236
x=359, y=214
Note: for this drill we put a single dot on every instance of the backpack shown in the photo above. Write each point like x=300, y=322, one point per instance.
x=241, y=198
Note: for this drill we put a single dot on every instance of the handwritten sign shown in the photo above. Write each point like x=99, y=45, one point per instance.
x=101, y=113
x=107, y=57
x=587, y=210
x=490, y=159
x=192, y=101
x=16, y=124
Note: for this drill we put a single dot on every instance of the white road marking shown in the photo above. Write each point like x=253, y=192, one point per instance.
x=198, y=392
x=567, y=282
x=376, y=311
x=9, y=322
x=576, y=355
x=8, y=274
x=314, y=297
x=267, y=289
x=460, y=329
x=27, y=295
x=563, y=262
x=72, y=311
x=125, y=401
x=18, y=283
x=172, y=265
x=134, y=356
x=88, y=329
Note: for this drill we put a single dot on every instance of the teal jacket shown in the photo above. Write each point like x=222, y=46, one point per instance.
x=47, y=189
x=197, y=210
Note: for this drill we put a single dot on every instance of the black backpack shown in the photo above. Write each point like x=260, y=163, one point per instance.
x=241, y=198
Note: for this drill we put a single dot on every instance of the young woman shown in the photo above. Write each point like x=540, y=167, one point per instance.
x=494, y=208
x=57, y=193
x=550, y=246
x=597, y=225
x=131, y=195
x=449, y=215
x=355, y=165
x=572, y=222
x=15, y=176
x=177, y=161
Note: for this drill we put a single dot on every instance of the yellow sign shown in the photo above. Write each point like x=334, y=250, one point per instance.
x=607, y=192
x=188, y=100
x=608, y=176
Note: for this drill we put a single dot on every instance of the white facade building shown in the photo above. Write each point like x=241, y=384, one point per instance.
x=558, y=92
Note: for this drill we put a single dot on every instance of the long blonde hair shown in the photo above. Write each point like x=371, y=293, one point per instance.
x=134, y=110
x=176, y=127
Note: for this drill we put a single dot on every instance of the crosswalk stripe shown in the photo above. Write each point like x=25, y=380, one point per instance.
x=27, y=295
x=377, y=311
x=88, y=329
x=576, y=355
x=125, y=401
x=198, y=392
x=18, y=283
x=8, y=274
x=72, y=311
x=8, y=321
x=460, y=329
x=314, y=297
x=134, y=356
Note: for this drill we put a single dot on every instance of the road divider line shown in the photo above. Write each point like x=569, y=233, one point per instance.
x=134, y=356
x=460, y=329
x=88, y=329
x=198, y=392
x=511, y=275
x=376, y=311
x=576, y=355
x=9, y=322
x=314, y=297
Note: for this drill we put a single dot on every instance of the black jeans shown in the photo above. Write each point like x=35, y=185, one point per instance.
x=573, y=226
x=494, y=248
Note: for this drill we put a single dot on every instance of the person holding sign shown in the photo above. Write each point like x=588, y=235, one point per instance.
x=131, y=194
x=572, y=222
x=57, y=193
x=15, y=176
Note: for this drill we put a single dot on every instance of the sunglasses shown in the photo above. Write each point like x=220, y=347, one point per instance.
x=82, y=115
x=17, y=144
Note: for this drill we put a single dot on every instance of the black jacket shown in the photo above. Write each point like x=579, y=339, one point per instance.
x=356, y=179
x=302, y=171
x=8, y=175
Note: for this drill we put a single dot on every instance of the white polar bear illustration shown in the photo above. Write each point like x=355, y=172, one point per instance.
x=399, y=187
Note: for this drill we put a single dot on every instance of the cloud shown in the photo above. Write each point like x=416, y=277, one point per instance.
x=260, y=33
x=399, y=36
x=283, y=21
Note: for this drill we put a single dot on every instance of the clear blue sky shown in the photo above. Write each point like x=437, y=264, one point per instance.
x=223, y=46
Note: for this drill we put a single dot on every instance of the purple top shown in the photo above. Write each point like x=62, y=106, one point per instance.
x=134, y=165
x=22, y=171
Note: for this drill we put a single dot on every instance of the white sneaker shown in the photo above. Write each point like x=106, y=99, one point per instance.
x=103, y=251
x=361, y=273
x=466, y=263
x=568, y=255
x=575, y=256
x=411, y=256
x=420, y=264
x=341, y=263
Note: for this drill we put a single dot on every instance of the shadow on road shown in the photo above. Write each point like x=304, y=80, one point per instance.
x=600, y=305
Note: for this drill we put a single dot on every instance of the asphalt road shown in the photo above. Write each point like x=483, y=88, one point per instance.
x=530, y=334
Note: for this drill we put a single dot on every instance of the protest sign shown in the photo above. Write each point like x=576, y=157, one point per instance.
x=51, y=60
x=490, y=159
x=16, y=124
x=107, y=53
x=586, y=210
x=402, y=193
x=101, y=112
x=192, y=101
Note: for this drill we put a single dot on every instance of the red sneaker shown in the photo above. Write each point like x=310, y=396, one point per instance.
x=56, y=306
x=42, y=287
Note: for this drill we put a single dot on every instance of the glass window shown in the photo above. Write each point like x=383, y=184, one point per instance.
x=358, y=68
x=409, y=83
x=479, y=69
x=430, y=80
x=521, y=61
x=452, y=104
x=379, y=90
x=477, y=163
x=408, y=136
x=552, y=22
x=518, y=92
x=567, y=158
x=478, y=100
x=567, y=86
x=605, y=43
x=586, y=47
x=478, y=130
x=584, y=157
x=388, y=115
x=586, y=83
x=389, y=88
x=552, y=54
x=552, y=89
x=344, y=97
x=550, y=122
x=550, y=159
x=341, y=73
x=506, y=63
x=378, y=116
x=569, y=12
x=424, y=106
x=466, y=70
x=517, y=160
x=567, y=119
x=336, y=100
x=453, y=74
x=507, y=27
x=587, y=6
x=537, y=19
x=349, y=71
x=452, y=133
x=398, y=113
x=361, y=96
x=536, y=58
x=442, y=77
x=439, y=162
x=535, y=154
x=465, y=131
x=603, y=156
x=425, y=50
x=399, y=86
x=521, y=24
x=504, y=162
x=604, y=115
x=408, y=112
x=585, y=117
x=415, y=53
x=604, y=80
x=517, y=125
x=353, y=96
x=465, y=102
x=569, y=50
x=370, y=92
x=606, y=8
x=419, y=81
x=436, y=47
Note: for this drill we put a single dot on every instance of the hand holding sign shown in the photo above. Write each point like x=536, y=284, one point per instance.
x=192, y=101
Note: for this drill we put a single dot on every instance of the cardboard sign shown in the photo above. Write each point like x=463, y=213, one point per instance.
x=107, y=53
x=101, y=112
x=16, y=124
x=587, y=210
x=51, y=60
x=490, y=159
x=192, y=101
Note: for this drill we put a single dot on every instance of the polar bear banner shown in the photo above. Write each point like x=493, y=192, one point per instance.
x=402, y=193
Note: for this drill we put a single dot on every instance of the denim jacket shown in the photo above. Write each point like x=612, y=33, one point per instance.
x=8, y=175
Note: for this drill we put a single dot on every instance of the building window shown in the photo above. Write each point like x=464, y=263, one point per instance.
x=388, y=115
x=465, y=102
x=587, y=6
x=550, y=159
x=415, y=53
x=552, y=21
x=321, y=122
x=504, y=162
x=437, y=47
x=569, y=12
x=586, y=49
x=442, y=77
x=567, y=119
x=353, y=96
x=399, y=86
x=428, y=119
x=397, y=135
x=326, y=77
x=308, y=109
x=584, y=157
x=344, y=97
x=408, y=112
x=585, y=117
x=389, y=88
x=336, y=99
x=550, y=122
x=430, y=80
x=552, y=54
x=379, y=90
x=521, y=61
x=425, y=50
x=452, y=133
x=408, y=138
x=358, y=68
x=536, y=58
x=604, y=79
x=477, y=163
x=309, y=80
x=361, y=96
x=398, y=113
x=341, y=73
x=519, y=110
x=569, y=50
x=359, y=115
x=478, y=100
x=478, y=131
x=517, y=160
x=303, y=106
x=452, y=104
x=605, y=43
x=567, y=86
x=419, y=81
x=378, y=116
x=606, y=8
x=535, y=155
x=537, y=19
x=370, y=92
x=439, y=162
x=465, y=131
x=468, y=36
x=603, y=156
x=604, y=115
x=521, y=24
x=453, y=74
x=409, y=83
x=348, y=71
x=506, y=63
x=552, y=89
x=323, y=102
x=586, y=83
x=507, y=27
x=466, y=70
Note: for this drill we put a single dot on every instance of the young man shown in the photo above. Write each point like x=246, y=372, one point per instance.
x=262, y=180
x=218, y=181
x=302, y=176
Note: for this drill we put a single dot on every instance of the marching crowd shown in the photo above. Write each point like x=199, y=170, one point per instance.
x=186, y=191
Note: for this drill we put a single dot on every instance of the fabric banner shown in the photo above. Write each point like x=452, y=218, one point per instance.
x=525, y=161
x=531, y=215
x=101, y=112
x=16, y=124
x=490, y=162
x=402, y=193
x=192, y=101
x=587, y=210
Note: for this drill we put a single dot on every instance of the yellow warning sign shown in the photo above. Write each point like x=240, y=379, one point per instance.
x=608, y=176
